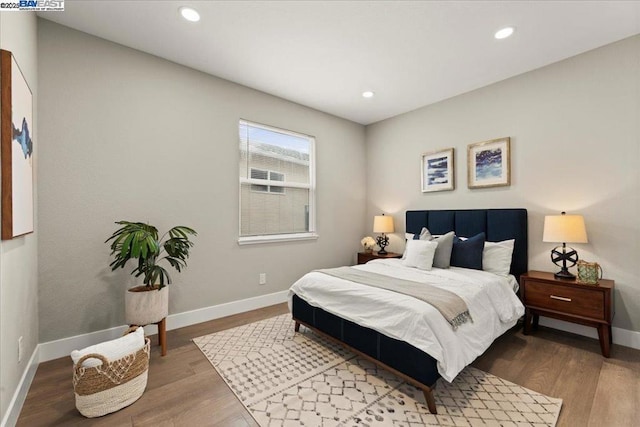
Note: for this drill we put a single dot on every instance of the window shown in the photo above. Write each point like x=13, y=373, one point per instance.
x=277, y=184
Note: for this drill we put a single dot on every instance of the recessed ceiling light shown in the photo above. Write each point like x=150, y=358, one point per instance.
x=504, y=33
x=367, y=94
x=189, y=14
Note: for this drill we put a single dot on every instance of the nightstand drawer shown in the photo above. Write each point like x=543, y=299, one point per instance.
x=565, y=299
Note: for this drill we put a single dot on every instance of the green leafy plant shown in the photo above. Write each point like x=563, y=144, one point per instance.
x=139, y=241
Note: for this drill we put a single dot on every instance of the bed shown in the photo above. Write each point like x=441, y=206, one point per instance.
x=406, y=336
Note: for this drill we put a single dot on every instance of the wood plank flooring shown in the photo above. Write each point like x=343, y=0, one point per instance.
x=185, y=390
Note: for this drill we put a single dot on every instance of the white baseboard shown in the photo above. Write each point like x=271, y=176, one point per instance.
x=621, y=336
x=187, y=318
x=63, y=347
x=15, y=405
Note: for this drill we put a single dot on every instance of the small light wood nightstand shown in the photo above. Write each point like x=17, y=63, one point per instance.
x=591, y=305
x=364, y=257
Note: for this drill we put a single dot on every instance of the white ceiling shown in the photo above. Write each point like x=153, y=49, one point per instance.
x=324, y=54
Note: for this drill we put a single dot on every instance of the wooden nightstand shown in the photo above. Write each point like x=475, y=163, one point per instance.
x=590, y=305
x=364, y=257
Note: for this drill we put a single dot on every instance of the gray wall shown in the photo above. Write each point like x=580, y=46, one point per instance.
x=19, y=257
x=575, y=140
x=126, y=135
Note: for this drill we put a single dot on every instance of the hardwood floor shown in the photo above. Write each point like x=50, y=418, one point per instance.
x=185, y=390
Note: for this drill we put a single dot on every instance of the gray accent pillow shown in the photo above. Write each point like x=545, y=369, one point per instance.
x=442, y=258
x=425, y=234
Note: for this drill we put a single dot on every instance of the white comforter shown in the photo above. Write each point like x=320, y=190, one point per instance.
x=492, y=303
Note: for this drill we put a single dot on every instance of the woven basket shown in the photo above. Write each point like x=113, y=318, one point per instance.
x=111, y=386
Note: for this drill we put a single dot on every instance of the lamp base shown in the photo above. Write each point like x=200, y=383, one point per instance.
x=564, y=274
x=560, y=255
x=383, y=242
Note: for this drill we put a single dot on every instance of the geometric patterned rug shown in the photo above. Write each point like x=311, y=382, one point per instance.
x=292, y=379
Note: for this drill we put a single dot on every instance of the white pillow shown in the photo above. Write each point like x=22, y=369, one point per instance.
x=407, y=237
x=425, y=234
x=419, y=254
x=496, y=257
x=111, y=350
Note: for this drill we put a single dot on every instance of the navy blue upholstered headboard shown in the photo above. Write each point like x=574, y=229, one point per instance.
x=497, y=224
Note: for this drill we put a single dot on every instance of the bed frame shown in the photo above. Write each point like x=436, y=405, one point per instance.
x=412, y=364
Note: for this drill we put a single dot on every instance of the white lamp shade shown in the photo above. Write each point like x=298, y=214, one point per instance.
x=383, y=224
x=564, y=229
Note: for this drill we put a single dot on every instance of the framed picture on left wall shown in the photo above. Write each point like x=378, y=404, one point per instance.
x=16, y=149
x=437, y=171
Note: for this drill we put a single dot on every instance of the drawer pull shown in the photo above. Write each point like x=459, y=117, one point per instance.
x=560, y=298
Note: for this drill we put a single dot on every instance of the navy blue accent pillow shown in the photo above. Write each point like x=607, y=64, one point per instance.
x=468, y=253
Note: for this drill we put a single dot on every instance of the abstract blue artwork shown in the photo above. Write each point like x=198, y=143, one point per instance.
x=16, y=129
x=22, y=137
x=488, y=163
x=437, y=171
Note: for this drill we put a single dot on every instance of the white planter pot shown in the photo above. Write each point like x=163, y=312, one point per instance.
x=146, y=307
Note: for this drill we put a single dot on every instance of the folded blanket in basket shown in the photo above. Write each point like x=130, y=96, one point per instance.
x=111, y=350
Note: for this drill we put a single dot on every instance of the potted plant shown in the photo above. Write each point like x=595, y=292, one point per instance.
x=149, y=303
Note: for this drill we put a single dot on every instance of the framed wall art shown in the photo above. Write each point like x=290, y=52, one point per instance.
x=437, y=171
x=16, y=149
x=489, y=163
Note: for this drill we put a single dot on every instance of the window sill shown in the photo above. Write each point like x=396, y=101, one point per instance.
x=273, y=238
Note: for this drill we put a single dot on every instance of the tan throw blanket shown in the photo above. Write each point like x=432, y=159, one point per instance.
x=450, y=305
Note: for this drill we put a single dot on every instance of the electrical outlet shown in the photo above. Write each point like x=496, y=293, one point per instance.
x=20, y=350
x=263, y=279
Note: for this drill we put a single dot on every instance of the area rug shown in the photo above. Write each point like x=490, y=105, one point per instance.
x=301, y=379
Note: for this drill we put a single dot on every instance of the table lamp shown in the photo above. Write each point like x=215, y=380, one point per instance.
x=382, y=224
x=564, y=229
